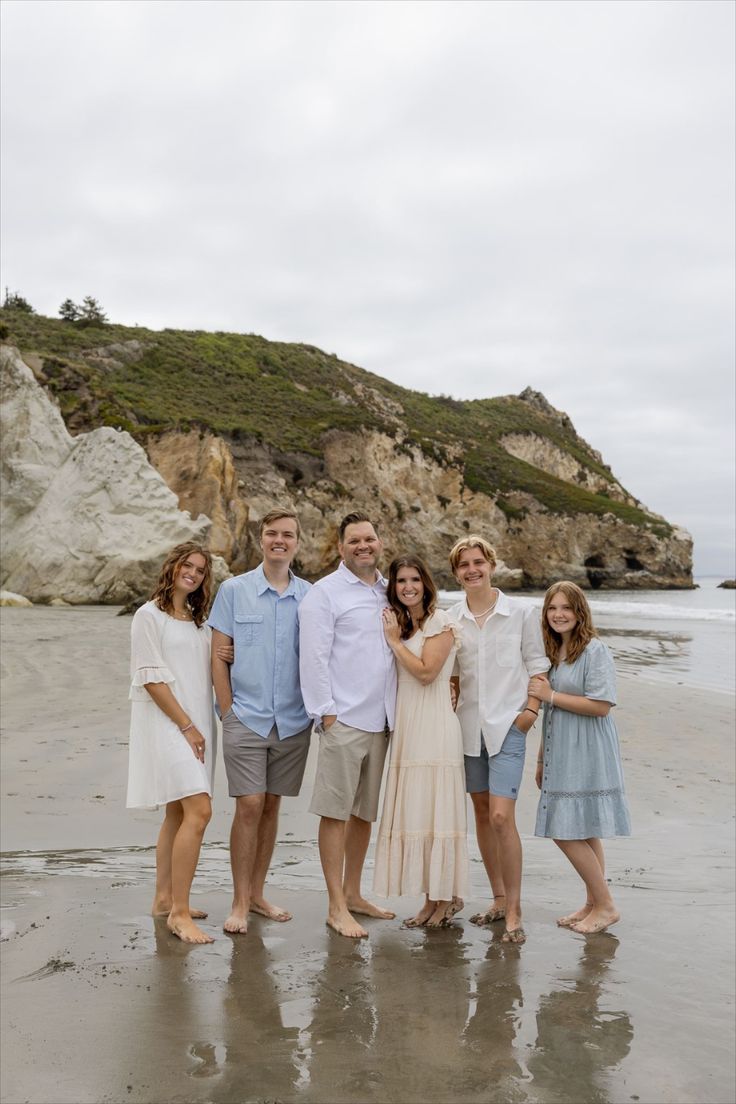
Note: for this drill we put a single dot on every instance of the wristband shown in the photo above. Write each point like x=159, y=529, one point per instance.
x=552, y=699
x=528, y=709
x=187, y=727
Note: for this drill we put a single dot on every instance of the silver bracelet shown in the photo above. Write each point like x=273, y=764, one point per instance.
x=552, y=699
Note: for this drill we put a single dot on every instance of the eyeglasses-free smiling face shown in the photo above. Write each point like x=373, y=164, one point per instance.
x=473, y=570
x=409, y=587
x=279, y=541
x=560, y=614
x=191, y=573
x=360, y=548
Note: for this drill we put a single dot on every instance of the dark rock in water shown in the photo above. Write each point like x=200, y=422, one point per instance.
x=132, y=606
x=727, y=584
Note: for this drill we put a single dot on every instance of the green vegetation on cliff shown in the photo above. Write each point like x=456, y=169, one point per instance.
x=288, y=396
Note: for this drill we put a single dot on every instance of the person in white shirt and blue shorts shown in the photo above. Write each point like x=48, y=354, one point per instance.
x=501, y=649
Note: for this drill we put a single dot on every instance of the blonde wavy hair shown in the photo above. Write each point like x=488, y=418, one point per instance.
x=199, y=600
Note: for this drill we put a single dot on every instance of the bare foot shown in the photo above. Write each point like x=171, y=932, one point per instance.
x=444, y=912
x=361, y=907
x=596, y=921
x=184, y=928
x=514, y=935
x=344, y=924
x=162, y=907
x=573, y=917
x=237, y=922
x=422, y=916
x=493, y=913
x=272, y=912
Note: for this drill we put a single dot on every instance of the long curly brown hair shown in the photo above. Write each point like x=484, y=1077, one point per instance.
x=584, y=630
x=429, y=597
x=198, y=602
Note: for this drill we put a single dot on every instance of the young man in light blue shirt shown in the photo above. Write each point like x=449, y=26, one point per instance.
x=265, y=727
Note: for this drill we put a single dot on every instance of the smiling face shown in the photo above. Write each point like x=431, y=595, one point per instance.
x=409, y=588
x=473, y=571
x=190, y=574
x=560, y=615
x=279, y=541
x=360, y=549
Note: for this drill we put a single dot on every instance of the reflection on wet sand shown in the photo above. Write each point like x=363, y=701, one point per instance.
x=493, y=1025
x=577, y=1040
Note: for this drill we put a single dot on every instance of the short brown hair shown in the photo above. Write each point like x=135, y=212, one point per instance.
x=472, y=541
x=274, y=515
x=584, y=630
x=199, y=600
x=355, y=519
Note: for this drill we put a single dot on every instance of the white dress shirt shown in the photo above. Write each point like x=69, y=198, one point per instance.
x=495, y=664
x=346, y=666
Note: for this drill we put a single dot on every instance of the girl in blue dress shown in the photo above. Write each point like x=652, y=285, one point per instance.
x=579, y=770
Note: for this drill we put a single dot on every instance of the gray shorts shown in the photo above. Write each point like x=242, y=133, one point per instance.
x=255, y=766
x=498, y=774
x=349, y=771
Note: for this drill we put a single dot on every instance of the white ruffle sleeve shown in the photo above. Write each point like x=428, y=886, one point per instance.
x=146, y=659
x=438, y=623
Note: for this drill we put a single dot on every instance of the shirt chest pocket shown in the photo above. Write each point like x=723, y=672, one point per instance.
x=249, y=628
x=508, y=650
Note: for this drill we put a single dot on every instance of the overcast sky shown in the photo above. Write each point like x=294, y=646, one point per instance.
x=464, y=197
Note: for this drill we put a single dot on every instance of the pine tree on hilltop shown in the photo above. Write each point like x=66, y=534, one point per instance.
x=14, y=301
x=91, y=313
x=69, y=311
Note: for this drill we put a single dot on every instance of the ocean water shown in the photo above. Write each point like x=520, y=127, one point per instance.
x=686, y=637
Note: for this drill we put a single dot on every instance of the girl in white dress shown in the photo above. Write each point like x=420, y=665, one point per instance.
x=422, y=841
x=172, y=727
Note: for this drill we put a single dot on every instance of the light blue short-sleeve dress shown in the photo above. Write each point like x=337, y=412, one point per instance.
x=582, y=794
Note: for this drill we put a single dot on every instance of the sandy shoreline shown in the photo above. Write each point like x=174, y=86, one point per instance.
x=100, y=1004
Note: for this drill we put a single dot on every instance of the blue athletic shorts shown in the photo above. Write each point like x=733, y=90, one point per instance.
x=498, y=774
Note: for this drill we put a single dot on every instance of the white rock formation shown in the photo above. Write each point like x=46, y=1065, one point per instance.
x=7, y=598
x=85, y=518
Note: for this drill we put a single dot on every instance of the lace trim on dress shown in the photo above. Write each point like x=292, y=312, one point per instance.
x=585, y=793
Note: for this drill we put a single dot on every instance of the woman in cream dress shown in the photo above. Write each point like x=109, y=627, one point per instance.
x=422, y=840
x=172, y=728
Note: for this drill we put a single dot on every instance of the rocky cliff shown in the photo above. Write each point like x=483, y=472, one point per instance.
x=235, y=424
x=84, y=518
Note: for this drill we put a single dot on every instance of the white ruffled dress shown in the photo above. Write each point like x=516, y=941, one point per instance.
x=161, y=765
x=422, y=841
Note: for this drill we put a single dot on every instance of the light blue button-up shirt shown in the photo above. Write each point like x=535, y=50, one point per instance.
x=264, y=626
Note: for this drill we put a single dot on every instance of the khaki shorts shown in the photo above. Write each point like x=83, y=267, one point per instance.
x=349, y=771
x=255, y=766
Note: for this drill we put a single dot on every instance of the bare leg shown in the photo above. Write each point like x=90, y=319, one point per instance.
x=357, y=838
x=267, y=831
x=243, y=848
x=164, y=846
x=332, y=856
x=584, y=858
x=580, y=914
x=197, y=811
x=489, y=853
x=503, y=823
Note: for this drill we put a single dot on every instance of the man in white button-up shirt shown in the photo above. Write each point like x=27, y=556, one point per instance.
x=501, y=648
x=348, y=678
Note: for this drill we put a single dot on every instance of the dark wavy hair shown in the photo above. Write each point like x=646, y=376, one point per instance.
x=429, y=598
x=584, y=630
x=199, y=600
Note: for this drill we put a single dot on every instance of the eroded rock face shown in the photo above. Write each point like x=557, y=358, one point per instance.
x=549, y=457
x=424, y=507
x=85, y=518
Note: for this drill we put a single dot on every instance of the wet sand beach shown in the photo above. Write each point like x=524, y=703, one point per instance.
x=100, y=1003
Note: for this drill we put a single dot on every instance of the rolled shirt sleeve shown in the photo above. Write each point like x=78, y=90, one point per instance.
x=532, y=643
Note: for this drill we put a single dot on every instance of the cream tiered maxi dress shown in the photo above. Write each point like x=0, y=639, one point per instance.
x=422, y=841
